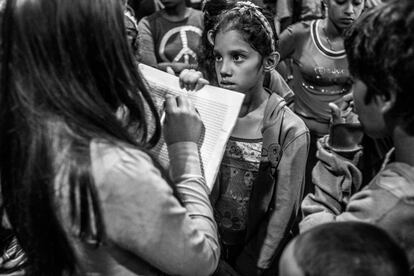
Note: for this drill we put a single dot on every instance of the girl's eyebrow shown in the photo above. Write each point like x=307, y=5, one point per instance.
x=235, y=51
x=239, y=51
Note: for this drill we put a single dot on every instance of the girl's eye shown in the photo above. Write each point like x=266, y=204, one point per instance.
x=357, y=2
x=340, y=2
x=238, y=58
x=217, y=58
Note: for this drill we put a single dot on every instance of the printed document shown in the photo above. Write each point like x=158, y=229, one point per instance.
x=218, y=108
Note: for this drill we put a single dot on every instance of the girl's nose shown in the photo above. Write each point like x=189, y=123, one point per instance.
x=225, y=69
x=349, y=8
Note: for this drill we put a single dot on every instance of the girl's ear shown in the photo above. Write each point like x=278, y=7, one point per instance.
x=271, y=61
x=210, y=38
x=387, y=102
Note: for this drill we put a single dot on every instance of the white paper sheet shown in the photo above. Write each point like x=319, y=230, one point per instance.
x=218, y=108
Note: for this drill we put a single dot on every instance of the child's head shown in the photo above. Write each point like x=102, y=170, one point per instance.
x=244, y=46
x=380, y=50
x=252, y=22
x=344, y=248
x=342, y=13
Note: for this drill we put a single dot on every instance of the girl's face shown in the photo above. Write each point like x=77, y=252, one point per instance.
x=238, y=66
x=343, y=13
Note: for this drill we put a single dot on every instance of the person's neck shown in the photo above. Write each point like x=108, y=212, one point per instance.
x=177, y=12
x=404, y=146
x=332, y=30
x=253, y=99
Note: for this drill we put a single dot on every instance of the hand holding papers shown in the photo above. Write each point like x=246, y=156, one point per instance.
x=218, y=108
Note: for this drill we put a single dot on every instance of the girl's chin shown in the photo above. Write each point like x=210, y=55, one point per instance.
x=229, y=86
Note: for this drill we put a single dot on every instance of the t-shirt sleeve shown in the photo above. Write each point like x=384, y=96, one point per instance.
x=278, y=85
x=146, y=48
x=144, y=217
x=288, y=41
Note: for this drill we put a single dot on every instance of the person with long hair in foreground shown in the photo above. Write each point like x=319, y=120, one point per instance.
x=82, y=193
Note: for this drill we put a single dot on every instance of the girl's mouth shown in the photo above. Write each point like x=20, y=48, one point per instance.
x=228, y=87
x=347, y=20
x=226, y=84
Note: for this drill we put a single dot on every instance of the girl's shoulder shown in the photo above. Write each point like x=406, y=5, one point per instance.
x=302, y=26
x=121, y=170
x=280, y=119
x=118, y=159
x=197, y=13
x=195, y=18
x=299, y=29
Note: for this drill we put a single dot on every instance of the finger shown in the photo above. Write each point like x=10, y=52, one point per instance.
x=187, y=77
x=183, y=103
x=170, y=70
x=182, y=77
x=352, y=118
x=335, y=113
x=193, y=77
x=15, y=262
x=190, y=78
x=347, y=98
x=344, y=101
x=198, y=113
x=170, y=104
x=201, y=83
x=189, y=86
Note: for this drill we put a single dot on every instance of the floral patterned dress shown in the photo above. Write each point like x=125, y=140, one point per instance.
x=238, y=171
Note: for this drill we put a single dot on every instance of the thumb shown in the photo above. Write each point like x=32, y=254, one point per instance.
x=169, y=70
x=201, y=83
x=335, y=114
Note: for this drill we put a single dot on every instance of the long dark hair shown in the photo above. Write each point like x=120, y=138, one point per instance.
x=66, y=70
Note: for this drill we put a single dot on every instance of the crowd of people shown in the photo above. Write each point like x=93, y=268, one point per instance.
x=317, y=177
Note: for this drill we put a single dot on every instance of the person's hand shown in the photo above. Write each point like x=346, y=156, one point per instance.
x=182, y=121
x=345, y=130
x=175, y=68
x=342, y=110
x=191, y=79
x=12, y=259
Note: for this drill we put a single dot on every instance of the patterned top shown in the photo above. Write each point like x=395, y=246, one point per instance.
x=238, y=172
x=320, y=75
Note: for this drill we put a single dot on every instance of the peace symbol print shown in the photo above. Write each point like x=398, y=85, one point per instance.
x=184, y=33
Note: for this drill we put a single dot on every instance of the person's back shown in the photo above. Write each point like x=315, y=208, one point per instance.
x=82, y=193
x=341, y=249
